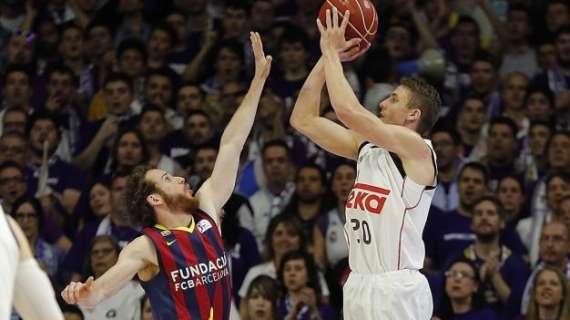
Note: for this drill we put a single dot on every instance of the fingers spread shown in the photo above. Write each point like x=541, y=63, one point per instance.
x=335, y=17
x=345, y=20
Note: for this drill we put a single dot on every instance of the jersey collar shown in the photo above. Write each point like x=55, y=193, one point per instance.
x=188, y=229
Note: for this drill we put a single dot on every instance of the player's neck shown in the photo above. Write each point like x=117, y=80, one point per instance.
x=173, y=219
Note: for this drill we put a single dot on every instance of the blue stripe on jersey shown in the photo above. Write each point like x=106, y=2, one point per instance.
x=182, y=262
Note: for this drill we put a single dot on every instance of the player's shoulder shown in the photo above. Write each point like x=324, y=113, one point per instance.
x=141, y=246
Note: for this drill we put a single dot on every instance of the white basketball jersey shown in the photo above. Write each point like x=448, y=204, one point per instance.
x=386, y=213
x=9, y=256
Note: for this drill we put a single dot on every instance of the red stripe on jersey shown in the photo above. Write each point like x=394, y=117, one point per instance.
x=218, y=312
x=212, y=256
x=170, y=264
x=191, y=260
x=367, y=187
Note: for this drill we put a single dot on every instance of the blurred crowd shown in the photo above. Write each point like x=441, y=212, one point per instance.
x=89, y=89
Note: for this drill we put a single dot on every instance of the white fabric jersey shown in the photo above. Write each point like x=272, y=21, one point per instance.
x=386, y=213
x=10, y=254
x=125, y=304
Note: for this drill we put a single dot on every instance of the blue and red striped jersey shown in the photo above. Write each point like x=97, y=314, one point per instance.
x=194, y=279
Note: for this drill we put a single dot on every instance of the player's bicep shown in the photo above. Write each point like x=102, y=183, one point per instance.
x=333, y=137
x=132, y=259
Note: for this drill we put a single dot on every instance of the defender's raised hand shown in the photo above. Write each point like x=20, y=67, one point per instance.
x=77, y=292
x=262, y=62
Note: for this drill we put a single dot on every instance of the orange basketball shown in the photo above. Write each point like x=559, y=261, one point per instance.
x=363, y=22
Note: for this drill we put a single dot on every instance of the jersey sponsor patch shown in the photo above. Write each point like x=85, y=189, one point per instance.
x=367, y=198
x=203, y=225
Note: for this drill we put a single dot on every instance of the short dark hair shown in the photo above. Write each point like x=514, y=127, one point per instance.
x=35, y=203
x=168, y=30
x=149, y=107
x=504, y=121
x=11, y=164
x=310, y=266
x=450, y=131
x=138, y=189
x=426, y=98
x=294, y=34
x=498, y=205
x=119, y=77
x=63, y=69
x=132, y=44
x=312, y=165
x=275, y=143
x=477, y=166
x=43, y=115
x=12, y=68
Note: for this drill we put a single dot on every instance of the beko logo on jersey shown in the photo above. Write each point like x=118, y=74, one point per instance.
x=367, y=198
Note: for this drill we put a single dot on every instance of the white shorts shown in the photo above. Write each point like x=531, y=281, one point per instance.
x=396, y=295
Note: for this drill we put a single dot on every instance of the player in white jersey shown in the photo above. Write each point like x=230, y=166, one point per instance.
x=22, y=283
x=396, y=173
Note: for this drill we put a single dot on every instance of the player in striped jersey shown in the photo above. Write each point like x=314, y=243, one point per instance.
x=396, y=174
x=180, y=259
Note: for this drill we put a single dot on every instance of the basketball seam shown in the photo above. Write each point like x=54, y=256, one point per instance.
x=362, y=16
x=351, y=25
x=374, y=19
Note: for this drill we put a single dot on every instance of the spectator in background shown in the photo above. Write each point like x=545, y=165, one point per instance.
x=261, y=300
x=461, y=297
x=16, y=90
x=13, y=147
x=470, y=122
x=14, y=121
x=114, y=224
x=564, y=210
x=159, y=46
x=535, y=159
x=126, y=302
x=557, y=186
x=513, y=92
x=227, y=66
x=293, y=53
x=64, y=180
x=502, y=150
x=448, y=233
x=299, y=279
x=159, y=90
x=270, y=199
x=99, y=51
x=447, y=146
x=309, y=201
x=99, y=203
x=511, y=194
x=189, y=98
x=539, y=103
x=502, y=272
x=556, y=16
x=554, y=251
x=284, y=234
x=329, y=243
x=131, y=56
x=153, y=128
x=129, y=151
x=29, y=214
x=550, y=296
x=97, y=136
x=63, y=102
x=181, y=144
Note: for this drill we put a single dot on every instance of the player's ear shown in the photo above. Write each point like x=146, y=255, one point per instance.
x=414, y=115
x=154, y=199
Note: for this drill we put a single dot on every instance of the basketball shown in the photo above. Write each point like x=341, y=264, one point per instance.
x=363, y=22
